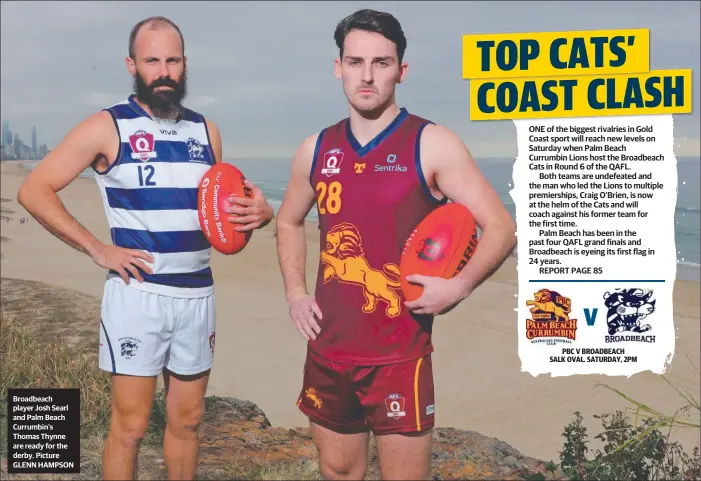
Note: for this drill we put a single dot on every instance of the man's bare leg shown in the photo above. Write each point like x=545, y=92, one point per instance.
x=405, y=456
x=132, y=400
x=341, y=456
x=185, y=413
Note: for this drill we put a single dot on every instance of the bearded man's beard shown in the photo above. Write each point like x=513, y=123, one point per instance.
x=164, y=104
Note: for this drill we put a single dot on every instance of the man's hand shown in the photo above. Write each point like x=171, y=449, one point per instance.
x=253, y=213
x=302, y=311
x=439, y=295
x=122, y=260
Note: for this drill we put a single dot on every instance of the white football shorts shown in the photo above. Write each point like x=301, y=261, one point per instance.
x=142, y=332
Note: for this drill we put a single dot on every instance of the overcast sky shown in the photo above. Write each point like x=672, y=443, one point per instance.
x=264, y=70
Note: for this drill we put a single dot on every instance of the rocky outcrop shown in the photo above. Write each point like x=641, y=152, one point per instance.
x=238, y=434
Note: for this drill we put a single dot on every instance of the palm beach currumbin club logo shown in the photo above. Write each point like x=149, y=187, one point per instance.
x=344, y=260
x=551, y=322
x=626, y=309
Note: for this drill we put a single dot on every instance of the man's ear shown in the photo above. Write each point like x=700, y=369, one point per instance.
x=131, y=66
x=337, y=68
x=403, y=67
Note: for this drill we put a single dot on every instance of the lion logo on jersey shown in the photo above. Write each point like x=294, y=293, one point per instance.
x=345, y=260
x=544, y=303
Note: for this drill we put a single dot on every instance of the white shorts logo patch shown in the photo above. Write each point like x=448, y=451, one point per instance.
x=128, y=346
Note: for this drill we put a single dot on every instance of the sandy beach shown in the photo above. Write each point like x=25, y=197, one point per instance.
x=260, y=355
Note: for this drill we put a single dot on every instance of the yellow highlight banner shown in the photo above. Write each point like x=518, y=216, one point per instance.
x=553, y=54
x=654, y=92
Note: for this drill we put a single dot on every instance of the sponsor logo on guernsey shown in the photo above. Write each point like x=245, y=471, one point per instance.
x=142, y=145
x=391, y=166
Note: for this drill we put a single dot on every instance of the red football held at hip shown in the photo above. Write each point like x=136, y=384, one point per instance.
x=220, y=182
x=440, y=246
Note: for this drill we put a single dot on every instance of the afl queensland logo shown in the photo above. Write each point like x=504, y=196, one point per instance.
x=142, y=145
x=332, y=162
x=395, y=406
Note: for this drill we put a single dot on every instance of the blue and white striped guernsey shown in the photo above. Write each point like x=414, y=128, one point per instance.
x=150, y=197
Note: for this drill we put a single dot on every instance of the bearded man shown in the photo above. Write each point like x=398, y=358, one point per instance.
x=149, y=154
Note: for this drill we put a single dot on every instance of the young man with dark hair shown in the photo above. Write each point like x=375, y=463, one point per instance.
x=373, y=177
x=149, y=154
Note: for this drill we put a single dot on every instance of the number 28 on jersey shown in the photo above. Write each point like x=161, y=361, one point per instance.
x=328, y=197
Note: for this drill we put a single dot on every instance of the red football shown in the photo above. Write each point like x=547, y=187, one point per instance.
x=221, y=181
x=440, y=246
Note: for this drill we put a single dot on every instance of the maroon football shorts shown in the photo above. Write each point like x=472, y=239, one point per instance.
x=396, y=398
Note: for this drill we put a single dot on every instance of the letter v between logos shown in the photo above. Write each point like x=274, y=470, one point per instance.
x=590, y=315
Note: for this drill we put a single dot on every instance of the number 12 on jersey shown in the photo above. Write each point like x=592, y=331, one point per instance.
x=149, y=170
x=329, y=198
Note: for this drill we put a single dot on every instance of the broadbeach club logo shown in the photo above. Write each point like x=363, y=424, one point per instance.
x=128, y=346
x=626, y=309
x=195, y=149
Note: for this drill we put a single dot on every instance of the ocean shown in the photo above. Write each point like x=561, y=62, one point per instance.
x=272, y=176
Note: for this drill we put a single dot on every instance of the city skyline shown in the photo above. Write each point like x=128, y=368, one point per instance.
x=13, y=147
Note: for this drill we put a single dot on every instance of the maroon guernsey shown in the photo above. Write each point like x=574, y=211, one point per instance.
x=369, y=200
